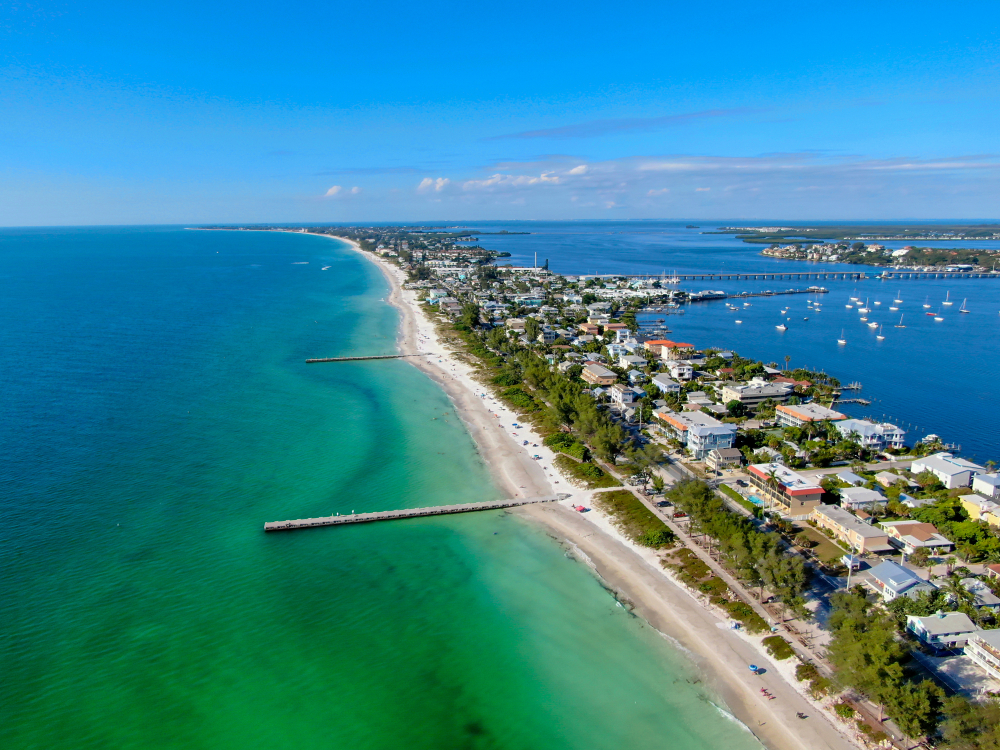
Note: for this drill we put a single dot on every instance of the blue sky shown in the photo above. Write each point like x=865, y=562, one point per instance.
x=129, y=113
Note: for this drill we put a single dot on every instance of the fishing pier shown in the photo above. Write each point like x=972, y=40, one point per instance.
x=390, y=515
x=374, y=356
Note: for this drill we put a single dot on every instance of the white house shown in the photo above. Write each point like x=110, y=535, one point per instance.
x=665, y=384
x=950, y=470
x=943, y=631
x=699, y=432
x=872, y=435
x=857, y=498
x=891, y=580
x=983, y=647
x=987, y=484
x=910, y=536
x=622, y=395
x=680, y=370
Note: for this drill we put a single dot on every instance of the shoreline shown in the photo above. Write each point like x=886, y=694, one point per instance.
x=633, y=572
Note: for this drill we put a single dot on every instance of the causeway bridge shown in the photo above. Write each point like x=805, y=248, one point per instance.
x=893, y=273
x=389, y=515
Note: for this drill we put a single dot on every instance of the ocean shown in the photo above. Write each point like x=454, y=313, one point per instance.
x=157, y=411
x=929, y=377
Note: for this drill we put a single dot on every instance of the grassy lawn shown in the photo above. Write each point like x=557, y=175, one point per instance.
x=585, y=475
x=634, y=519
x=826, y=550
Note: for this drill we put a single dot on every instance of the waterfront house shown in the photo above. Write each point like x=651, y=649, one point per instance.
x=615, y=328
x=676, y=350
x=636, y=376
x=616, y=350
x=755, y=393
x=910, y=536
x=665, y=384
x=871, y=435
x=942, y=631
x=950, y=470
x=515, y=324
x=983, y=648
x=858, y=498
x=719, y=459
x=890, y=580
x=547, y=336
x=588, y=329
x=697, y=431
x=987, y=485
x=849, y=529
x=800, y=414
x=598, y=375
x=786, y=490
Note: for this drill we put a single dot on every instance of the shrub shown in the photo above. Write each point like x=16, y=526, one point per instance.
x=744, y=614
x=586, y=475
x=519, y=398
x=506, y=378
x=806, y=671
x=778, y=647
x=634, y=519
x=844, y=710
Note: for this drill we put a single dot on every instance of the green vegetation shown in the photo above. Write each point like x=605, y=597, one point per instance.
x=634, y=519
x=693, y=572
x=818, y=684
x=587, y=475
x=754, y=556
x=730, y=492
x=563, y=442
x=778, y=647
x=868, y=657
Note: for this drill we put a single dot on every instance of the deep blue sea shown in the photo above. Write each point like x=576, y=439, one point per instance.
x=930, y=377
x=157, y=411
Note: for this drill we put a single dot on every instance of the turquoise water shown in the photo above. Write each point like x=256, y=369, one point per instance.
x=157, y=412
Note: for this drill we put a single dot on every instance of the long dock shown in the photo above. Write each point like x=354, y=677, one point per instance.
x=389, y=515
x=373, y=356
x=889, y=273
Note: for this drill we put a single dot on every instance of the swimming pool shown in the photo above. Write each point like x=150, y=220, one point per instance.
x=755, y=500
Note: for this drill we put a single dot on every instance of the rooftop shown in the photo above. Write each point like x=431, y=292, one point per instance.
x=810, y=412
x=841, y=517
x=944, y=622
x=794, y=483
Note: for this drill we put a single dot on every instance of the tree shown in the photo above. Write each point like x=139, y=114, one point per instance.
x=658, y=483
x=736, y=408
x=971, y=726
x=532, y=328
x=787, y=360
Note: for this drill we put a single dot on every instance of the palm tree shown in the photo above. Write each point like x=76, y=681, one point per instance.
x=772, y=482
x=787, y=360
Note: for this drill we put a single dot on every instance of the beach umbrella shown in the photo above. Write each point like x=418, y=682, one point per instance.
x=753, y=667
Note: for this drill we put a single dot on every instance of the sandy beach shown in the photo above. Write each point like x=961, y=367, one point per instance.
x=634, y=572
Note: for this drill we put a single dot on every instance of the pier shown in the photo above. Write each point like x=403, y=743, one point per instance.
x=373, y=356
x=389, y=515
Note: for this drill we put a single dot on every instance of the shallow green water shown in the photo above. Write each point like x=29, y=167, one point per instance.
x=158, y=411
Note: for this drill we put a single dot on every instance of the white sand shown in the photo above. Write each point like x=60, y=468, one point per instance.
x=633, y=571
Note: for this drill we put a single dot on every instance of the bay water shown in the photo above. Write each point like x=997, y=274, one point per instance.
x=929, y=377
x=157, y=411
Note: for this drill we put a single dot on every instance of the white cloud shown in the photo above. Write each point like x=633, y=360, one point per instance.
x=661, y=191
x=702, y=190
x=427, y=184
x=355, y=190
x=582, y=169
x=509, y=180
x=333, y=191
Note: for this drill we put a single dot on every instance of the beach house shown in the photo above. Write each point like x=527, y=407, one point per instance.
x=942, y=631
x=983, y=648
x=787, y=491
x=697, y=431
x=872, y=435
x=598, y=375
x=909, y=536
x=851, y=530
x=987, y=485
x=665, y=384
x=891, y=580
x=755, y=393
x=858, y=498
x=719, y=459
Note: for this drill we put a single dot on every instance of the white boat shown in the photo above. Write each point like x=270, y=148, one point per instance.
x=849, y=307
x=938, y=317
x=894, y=308
x=873, y=324
x=739, y=321
x=841, y=340
x=864, y=310
x=805, y=319
x=899, y=299
x=900, y=323
x=781, y=327
x=962, y=308
x=880, y=337
x=927, y=304
x=864, y=318
x=947, y=299
x=877, y=302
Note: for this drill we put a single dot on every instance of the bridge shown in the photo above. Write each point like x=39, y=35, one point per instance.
x=389, y=515
x=805, y=276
